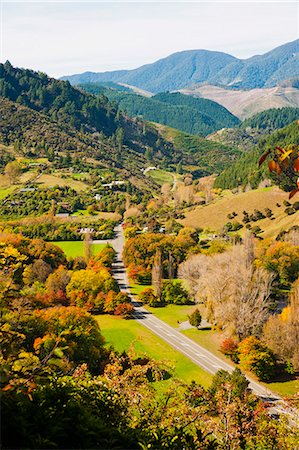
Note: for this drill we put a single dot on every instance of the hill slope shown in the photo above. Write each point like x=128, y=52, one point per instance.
x=48, y=117
x=214, y=215
x=246, y=171
x=192, y=115
x=246, y=103
x=203, y=66
x=251, y=131
x=204, y=157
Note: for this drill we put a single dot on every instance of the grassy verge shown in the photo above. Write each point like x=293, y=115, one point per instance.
x=76, y=248
x=126, y=334
x=172, y=314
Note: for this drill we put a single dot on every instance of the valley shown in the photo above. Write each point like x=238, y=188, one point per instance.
x=149, y=241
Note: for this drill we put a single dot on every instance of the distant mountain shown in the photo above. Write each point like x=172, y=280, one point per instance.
x=189, y=114
x=246, y=103
x=190, y=67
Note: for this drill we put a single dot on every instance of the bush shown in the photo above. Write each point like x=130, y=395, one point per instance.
x=149, y=298
x=256, y=357
x=124, y=310
x=195, y=318
x=289, y=211
x=229, y=347
x=173, y=292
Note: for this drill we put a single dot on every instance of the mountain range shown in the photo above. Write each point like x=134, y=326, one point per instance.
x=191, y=67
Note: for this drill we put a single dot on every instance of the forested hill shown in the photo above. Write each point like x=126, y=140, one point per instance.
x=251, y=131
x=186, y=68
x=246, y=170
x=272, y=119
x=47, y=117
x=186, y=113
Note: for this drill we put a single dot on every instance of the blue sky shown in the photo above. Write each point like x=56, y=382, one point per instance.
x=71, y=37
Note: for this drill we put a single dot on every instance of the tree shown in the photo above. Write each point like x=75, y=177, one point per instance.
x=13, y=171
x=281, y=332
x=148, y=297
x=173, y=292
x=87, y=246
x=195, y=318
x=256, y=357
x=157, y=271
x=284, y=163
x=237, y=297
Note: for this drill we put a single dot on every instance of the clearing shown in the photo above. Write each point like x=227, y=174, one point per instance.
x=76, y=248
x=214, y=215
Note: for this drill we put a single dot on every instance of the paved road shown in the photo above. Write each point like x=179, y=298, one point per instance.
x=196, y=353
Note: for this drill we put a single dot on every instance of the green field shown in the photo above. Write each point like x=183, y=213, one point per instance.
x=172, y=314
x=127, y=334
x=160, y=176
x=5, y=191
x=76, y=248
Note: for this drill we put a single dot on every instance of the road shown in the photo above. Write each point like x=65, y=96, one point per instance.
x=195, y=352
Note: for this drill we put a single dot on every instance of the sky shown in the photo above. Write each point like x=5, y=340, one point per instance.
x=66, y=37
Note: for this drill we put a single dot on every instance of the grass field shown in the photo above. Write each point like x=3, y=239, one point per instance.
x=125, y=334
x=76, y=248
x=211, y=340
x=4, y=192
x=160, y=176
x=172, y=314
x=214, y=215
x=48, y=180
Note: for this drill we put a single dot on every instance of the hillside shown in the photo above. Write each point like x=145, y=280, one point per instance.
x=246, y=103
x=215, y=215
x=192, y=115
x=189, y=67
x=204, y=157
x=246, y=171
x=42, y=116
x=250, y=132
x=272, y=119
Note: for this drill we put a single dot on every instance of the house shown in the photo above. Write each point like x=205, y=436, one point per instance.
x=97, y=197
x=32, y=189
x=62, y=215
x=86, y=230
x=113, y=184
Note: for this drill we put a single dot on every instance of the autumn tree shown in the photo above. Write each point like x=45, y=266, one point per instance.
x=13, y=171
x=157, y=273
x=283, y=164
x=281, y=332
x=237, y=297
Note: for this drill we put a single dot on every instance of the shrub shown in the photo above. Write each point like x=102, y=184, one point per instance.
x=124, y=310
x=229, y=347
x=148, y=297
x=195, y=318
x=173, y=292
x=289, y=211
x=256, y=357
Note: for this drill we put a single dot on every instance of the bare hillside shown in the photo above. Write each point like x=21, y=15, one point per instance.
x=214, y=215
x=244, y=104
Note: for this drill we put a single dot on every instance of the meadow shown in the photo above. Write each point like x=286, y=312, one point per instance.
x=76, y=248
x=125, y=335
